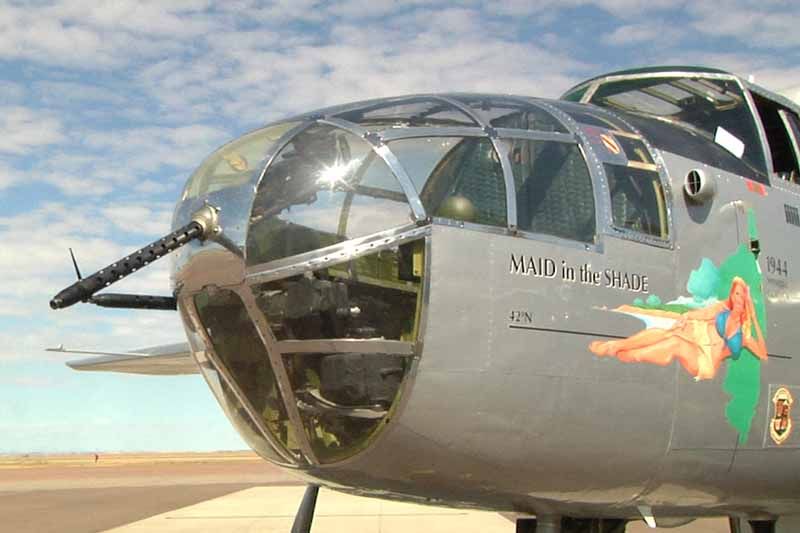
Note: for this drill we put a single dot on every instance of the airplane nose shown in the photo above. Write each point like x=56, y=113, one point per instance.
x=320, y=358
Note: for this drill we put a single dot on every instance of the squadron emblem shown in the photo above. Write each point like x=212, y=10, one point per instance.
x=780, y=427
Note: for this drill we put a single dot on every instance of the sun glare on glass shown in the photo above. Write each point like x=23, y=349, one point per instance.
x=335, y=175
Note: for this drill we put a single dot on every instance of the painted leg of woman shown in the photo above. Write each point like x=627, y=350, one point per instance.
x=646, y=337
x=663, y=352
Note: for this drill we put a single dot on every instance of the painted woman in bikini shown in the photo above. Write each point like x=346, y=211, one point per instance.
x=700, y=340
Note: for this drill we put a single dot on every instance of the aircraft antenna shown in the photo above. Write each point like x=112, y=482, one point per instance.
x=75, y=264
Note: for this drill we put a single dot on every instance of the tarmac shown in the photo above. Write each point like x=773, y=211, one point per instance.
x=223, y=493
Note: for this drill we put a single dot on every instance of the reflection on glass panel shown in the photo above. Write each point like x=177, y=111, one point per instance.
x=554, y=189
x=635, y=150
x=637, y=200
x=326, y=186
x=642, y=100
x=227, y=400
x=419, y=156
x=373, y=296
x=592, y=116
x=699, y=105
x=239, y=348
x=793, y=123
x=236, y=413
x=409, y=112
x=343, y=398
x=460, y=179
x=500, y=112
x=576, y=95
x=234, y=163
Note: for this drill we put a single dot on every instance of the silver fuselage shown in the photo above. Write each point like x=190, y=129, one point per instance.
x=502, y=405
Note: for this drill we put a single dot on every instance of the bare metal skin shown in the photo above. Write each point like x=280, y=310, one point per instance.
x=602, y=349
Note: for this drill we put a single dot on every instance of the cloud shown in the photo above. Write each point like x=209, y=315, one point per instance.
x=8, y=176
x=430, y=49
x=35, y=265
x=109, y=34
x=618, y=8
x=68, y=93
x=753, y=23
x=151, y=148
x=94, y=163
x=631, y=34
x=768, y=70
x=34, y=257
x=23, y=129
x=12, y=92
x=153, y=220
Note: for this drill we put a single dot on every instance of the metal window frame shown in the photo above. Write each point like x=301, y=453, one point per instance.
x=276, y=149
x=762, y=132
x=382, y=151
x=394, y=134
x=597, y=162
x=279, y=369
x=381, y=103
x=597, y=175
x=402, y=397
x=746, y=88
x=793, y=130
x=337, y=253
x=277, y=349
x=505, y=164
x=362, y=346
x=222, y=370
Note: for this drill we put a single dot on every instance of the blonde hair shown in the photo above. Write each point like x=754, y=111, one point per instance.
x=747, y=319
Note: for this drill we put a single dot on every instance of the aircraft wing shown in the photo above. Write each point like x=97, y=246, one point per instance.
x=167, y=360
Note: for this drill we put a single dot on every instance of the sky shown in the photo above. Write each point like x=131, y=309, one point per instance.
x=106, y=108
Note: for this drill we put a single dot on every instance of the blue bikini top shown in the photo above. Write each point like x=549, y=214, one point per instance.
x=734, y=342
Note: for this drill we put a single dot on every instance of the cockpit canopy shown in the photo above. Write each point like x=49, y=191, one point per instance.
x=756, y=131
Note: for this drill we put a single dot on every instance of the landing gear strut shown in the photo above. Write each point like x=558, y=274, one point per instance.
x=305, y=514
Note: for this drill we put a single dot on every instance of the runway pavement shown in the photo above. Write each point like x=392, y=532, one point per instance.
x=271, y=510
x=222, y=493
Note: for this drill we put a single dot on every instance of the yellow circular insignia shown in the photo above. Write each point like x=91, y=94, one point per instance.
x=780, y=427
x=237, y=162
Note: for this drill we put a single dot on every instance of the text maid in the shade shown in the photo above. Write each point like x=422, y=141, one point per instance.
x=699, y=339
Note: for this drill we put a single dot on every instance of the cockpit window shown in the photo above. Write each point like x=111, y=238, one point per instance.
x=715, y=109
x=635, y=150
x=554, y=189
x=457, y=178
x=346, y=333
x=501, y=112
x=234, y=163
x=637, y=200
x=242, y=354
x=326, y=186
x=592, y=116
x=418, y=111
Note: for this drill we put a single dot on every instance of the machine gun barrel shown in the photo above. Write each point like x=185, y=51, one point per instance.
x=135, y=301
x=84, y=289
